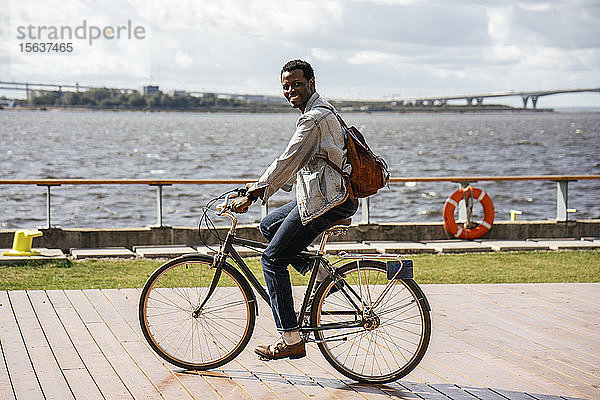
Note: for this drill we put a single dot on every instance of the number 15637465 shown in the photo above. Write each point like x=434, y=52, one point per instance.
x=46, y=47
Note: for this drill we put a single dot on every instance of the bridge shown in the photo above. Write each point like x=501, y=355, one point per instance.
x=470, y=99
x=478, y=98
x=27, y=87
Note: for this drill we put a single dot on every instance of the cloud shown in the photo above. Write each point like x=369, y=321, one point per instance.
x=322, y=54
x=183, y=59
x=561, y=25
x=373, y=57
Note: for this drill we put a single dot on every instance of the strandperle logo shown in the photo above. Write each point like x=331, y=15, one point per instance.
x=83, y=32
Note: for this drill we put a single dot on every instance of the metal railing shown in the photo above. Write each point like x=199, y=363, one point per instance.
x=562, y=182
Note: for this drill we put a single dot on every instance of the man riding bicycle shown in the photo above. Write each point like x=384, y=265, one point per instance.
x=322, y=199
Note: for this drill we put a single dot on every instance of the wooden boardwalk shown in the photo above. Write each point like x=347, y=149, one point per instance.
x=489, y=342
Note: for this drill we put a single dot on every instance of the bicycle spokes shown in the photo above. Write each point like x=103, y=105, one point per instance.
x=373, y=330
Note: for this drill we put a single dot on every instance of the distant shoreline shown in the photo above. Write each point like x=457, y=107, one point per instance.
x=275, y=109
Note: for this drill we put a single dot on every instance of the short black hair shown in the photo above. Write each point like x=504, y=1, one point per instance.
x=298, y=64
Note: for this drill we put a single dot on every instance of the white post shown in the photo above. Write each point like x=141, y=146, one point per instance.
x=462, y=207
x=159, y=209
x=365, y=213
x=562, y=199
x=48, y=208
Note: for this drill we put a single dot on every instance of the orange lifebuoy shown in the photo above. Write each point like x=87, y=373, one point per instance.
x=488, y=212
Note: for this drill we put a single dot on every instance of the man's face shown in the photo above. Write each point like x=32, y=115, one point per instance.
x=296, y=89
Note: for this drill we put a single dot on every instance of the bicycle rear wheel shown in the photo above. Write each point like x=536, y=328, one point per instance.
x=367, y=332
x=182, y=333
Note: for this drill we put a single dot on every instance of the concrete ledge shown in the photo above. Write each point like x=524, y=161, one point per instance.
x=515, y=245
x=390, y=247
x=162, y=251
x=349, y=247
x=591, y=239
x=107, y=252
x=398, y=232
x=566, y=244
x=458, y=246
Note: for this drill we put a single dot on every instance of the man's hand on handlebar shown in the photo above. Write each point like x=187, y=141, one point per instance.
x=241, y=204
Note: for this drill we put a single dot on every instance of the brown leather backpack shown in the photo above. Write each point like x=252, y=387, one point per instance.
x=369, y=171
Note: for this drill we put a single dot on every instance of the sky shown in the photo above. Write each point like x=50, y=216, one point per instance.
x=371, y=49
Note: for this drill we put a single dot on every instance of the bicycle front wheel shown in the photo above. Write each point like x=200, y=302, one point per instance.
x=189, y=330
x=368, y=328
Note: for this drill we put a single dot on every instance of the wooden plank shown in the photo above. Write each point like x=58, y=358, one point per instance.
x=512, y=317
x=423, y=390
x=480, y=373
x=6, y=389
x=78, y=378
x=529, y=321
x=580, y=300
x=162, y=378
x=485, y=393
x=449, y=372
x=51, y=378
x=126, y=302
x=397, y=391
x=128, y=371
x=515, y=351
x=422, y=374
x=562, y=318
x=23, y=378
x=107, y=380
x=65, y=353
x=452, y=391
x=515, y=395
x=510, y=379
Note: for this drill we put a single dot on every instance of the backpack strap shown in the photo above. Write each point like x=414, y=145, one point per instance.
x=344, y=130
x=345, y=176
x=333, y=165
x=333, y=111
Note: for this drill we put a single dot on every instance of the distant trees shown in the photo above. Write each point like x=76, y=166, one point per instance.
x=116, y=98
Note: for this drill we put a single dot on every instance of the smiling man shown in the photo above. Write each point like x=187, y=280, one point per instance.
x=322, y=199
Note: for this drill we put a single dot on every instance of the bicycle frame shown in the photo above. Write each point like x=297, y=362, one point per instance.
x=228, y=250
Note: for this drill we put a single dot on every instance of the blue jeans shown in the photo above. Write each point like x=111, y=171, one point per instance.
x=287, y=238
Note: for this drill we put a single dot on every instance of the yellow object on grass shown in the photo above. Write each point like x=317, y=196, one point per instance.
x=22, y=243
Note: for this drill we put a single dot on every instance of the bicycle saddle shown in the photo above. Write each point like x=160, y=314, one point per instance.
x=344, y=221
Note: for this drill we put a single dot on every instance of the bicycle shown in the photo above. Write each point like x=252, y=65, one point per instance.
x=369, y=318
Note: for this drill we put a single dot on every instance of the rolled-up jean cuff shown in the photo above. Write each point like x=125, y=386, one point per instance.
x=297, y=328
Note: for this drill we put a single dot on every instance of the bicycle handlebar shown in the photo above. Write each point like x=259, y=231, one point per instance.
x=224, y=207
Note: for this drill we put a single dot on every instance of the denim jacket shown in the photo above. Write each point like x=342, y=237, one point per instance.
x=319, y=187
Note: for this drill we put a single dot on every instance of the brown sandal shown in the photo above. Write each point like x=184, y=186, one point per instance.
x=281, y=350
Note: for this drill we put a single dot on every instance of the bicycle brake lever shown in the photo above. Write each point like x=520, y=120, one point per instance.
x=221, y=208
x=242, y=191
x=224, y=206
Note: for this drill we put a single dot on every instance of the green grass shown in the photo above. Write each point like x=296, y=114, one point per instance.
x=518, y=267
